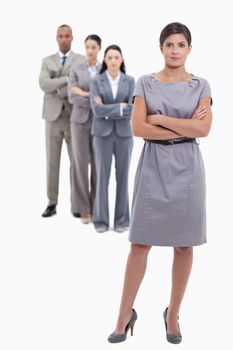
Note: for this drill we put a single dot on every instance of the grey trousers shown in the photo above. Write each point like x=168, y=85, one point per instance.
x=104, y=149
x=82, y=189
x=56, y=132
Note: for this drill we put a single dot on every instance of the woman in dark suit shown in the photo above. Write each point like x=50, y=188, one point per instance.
x=81, y=118
x=111, y=101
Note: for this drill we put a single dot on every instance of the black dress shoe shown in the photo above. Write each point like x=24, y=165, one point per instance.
x=49, y=211
x=77, y=215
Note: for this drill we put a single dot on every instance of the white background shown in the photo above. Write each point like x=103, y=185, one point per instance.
x=60, y=280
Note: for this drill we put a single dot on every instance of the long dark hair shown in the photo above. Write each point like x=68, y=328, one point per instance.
x=104, y=66
x=175, y=28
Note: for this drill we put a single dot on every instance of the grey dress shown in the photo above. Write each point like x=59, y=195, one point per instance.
x=168, y=206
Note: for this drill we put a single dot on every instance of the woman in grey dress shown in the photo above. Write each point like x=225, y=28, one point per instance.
x=171, y=109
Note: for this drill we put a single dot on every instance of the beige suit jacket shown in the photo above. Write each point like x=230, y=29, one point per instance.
x=53, y=81
x=79, y=76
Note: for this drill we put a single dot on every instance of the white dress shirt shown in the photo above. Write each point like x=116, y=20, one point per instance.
x=114, y=83
x=92, y=70
x=61, y=55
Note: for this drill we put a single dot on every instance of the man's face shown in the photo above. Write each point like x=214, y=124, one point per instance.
x=64, y=39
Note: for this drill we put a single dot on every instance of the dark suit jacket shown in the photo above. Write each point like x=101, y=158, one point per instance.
x=107, y=116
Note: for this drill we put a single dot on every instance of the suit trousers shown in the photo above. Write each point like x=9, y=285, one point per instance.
x=55, y=132
x=82, y=189
x=104, y=149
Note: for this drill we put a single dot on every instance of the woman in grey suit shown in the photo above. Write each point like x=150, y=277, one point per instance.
x=111, y=101
x=83, y=192
x=171, y=109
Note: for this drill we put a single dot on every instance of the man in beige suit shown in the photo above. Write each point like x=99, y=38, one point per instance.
x=57, y=109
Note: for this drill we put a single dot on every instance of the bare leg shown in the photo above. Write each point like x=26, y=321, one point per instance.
x=135, y=270
x=182, y=265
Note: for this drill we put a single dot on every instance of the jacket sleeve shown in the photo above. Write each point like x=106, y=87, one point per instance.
x=127, y=111
x=63, y=91
x=104, y=111
x=47, y=82
x=74, y=98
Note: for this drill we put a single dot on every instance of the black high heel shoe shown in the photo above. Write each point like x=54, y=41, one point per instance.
x=117, y=338
x=171, y=338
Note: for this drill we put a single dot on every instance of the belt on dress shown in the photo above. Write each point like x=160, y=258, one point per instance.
x=172, y=142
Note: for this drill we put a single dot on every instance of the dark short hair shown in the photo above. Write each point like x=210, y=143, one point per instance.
x=95, y=38
x=104, y=66
x=175, y=28
x=65, y=26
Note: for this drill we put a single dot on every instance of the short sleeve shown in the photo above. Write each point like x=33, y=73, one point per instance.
x=206, y=91
x=139, y=89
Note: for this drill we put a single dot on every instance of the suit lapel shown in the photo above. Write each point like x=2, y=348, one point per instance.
x=107, y=86
x=122, y=86
x=69, y=59
x=85, y=72
x=68, y=62
x=57, y=60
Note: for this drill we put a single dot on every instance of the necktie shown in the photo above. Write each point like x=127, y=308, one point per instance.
x=63, y=60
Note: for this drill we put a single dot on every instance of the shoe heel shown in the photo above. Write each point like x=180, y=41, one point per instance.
x=131, y=329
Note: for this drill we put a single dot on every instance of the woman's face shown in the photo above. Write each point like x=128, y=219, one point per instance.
x=113, y=60
x=92, y=49
x=175, y=50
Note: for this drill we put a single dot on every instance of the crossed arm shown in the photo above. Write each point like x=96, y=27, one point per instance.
x=50, y=83
x=163, y=127
x=78, y=91
x=111, y=111
x=75, y=93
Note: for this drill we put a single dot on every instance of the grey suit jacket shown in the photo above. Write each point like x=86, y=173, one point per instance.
x=79, y=76
x=107, y=116
x=53, y=81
